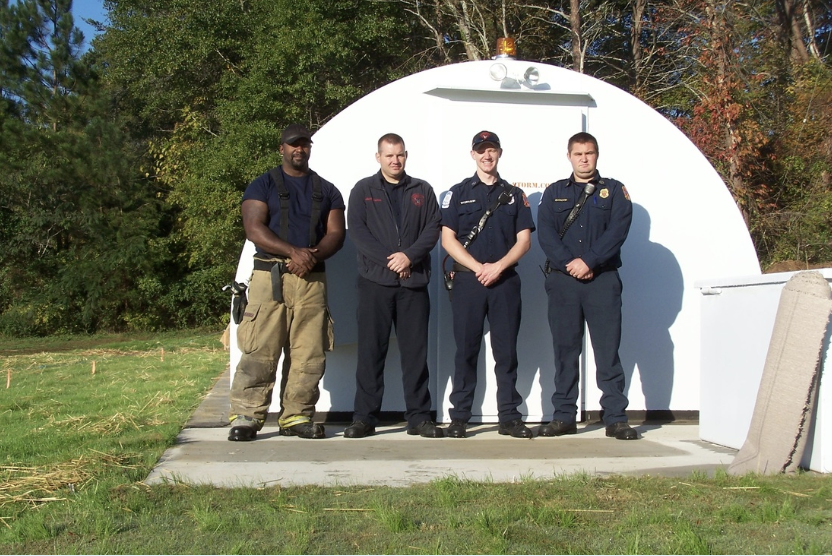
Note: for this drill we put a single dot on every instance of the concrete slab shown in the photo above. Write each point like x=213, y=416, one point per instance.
x=393, y=458
x=203, y=454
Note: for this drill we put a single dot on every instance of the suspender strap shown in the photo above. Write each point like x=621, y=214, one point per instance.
x=317, y=197
x=277, y=176
x=283, y=192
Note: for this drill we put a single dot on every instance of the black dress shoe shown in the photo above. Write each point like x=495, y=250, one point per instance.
x=457, y=429
x=516, y=428
x=359, y=429
x=557, y=428
x=427, y=429
x=307, y=429
x=622, y=431
x=242, y=434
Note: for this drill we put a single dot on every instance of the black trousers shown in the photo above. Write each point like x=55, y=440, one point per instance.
x=380, y=308
x=598, y=303
x=472, y=303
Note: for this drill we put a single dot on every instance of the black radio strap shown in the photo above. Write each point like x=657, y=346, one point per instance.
x=589, y=189
x=283, y=192
x=503, y=199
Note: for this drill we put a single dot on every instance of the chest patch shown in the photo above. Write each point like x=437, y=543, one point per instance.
x=417, y=199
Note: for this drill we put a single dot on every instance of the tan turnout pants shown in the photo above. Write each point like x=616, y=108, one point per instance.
x=301, y=328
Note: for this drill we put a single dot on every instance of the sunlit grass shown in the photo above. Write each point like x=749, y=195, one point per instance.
x=76, y=447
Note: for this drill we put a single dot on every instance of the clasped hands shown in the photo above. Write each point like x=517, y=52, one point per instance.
x=400, y=264
x=577, y=268
x=301, y=261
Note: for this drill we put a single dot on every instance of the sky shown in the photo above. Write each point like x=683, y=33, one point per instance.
x=92, y=9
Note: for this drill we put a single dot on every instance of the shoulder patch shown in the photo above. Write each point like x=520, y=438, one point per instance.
x=624, y=191
x=446, y=200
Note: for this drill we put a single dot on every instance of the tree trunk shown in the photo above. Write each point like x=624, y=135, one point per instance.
x=635, y=45
x=464, y=25
x=575, y=24
x=724, y=80
x=790, y=13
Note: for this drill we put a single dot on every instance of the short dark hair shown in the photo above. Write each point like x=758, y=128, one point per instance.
x=392, y=138
x=582, y=137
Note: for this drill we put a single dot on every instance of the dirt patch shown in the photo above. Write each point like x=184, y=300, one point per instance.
x=793, y=266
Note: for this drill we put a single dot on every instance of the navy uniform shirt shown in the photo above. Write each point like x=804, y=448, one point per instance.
x=596, y=235
x=467, y=201
x=264, y=189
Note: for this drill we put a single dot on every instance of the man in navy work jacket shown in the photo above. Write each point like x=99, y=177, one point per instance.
x=486, y=228
x=393, y=220
x=295, y=219
x=582, y=223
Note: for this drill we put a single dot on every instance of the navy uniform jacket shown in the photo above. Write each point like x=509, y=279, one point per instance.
x=467, y=201
x=372, y=228
x=596, y=235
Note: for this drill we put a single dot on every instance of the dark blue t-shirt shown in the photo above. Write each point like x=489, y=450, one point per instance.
x=264, y=189
x=466, y=202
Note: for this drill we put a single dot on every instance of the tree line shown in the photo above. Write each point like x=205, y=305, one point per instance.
x=122, y=166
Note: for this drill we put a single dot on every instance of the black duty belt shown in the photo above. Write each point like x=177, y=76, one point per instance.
x=260, y=264
x=596, y=272
x=456, y=267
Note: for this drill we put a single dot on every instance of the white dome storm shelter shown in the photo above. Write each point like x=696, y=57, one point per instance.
x=686, y=226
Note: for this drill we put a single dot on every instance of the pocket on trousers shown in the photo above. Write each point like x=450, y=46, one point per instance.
x=247, y=329
x=329, y=340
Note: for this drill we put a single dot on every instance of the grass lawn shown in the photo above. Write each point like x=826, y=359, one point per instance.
x=76, y=445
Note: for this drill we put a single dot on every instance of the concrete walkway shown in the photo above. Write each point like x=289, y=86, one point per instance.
x=203, y=455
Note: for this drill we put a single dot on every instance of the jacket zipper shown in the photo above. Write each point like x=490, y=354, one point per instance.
x=393, y=216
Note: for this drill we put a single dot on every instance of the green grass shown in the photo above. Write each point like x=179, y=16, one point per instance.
x=75, y=447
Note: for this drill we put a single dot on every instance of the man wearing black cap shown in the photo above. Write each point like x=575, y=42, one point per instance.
x=486, y=228
x=394, y=224
x=295, y=219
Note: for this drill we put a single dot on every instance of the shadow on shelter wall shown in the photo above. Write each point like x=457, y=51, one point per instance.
x=652, y=298
x=339, y=379
x=535, y=356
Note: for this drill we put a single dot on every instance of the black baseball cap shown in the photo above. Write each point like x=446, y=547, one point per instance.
x=293, y=132
x=485, y=137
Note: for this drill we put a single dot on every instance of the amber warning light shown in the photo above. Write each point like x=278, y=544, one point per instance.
x=506, y=48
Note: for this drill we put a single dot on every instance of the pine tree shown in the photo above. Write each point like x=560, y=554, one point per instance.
x=74, y=223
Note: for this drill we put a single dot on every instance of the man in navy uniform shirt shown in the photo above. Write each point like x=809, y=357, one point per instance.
x=486, y=250
x=582, y=223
